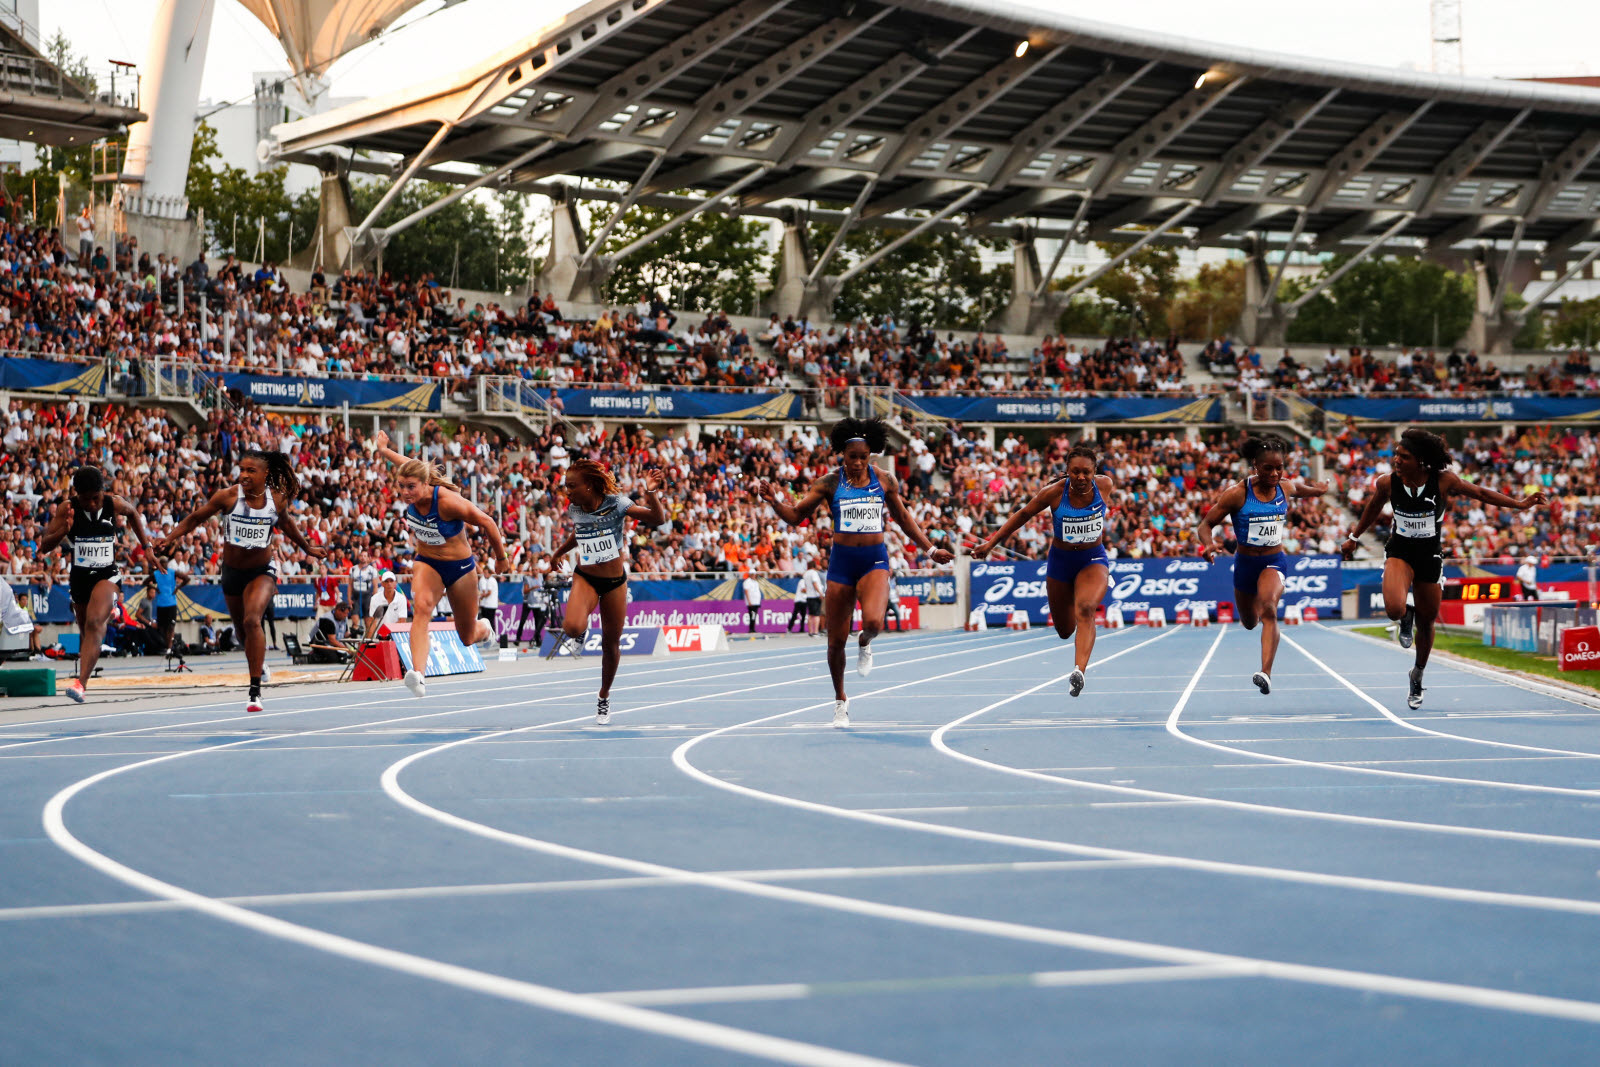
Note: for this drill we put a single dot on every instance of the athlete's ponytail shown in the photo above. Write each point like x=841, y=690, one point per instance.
x=280, y=472
x=427, y=473
x=1429, y=448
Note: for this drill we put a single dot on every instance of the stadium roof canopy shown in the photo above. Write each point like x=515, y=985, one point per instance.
x=314, y=33
x=894, y=110
x=41, y=105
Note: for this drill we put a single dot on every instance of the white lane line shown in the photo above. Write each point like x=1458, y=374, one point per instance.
x=1477, y=996
x=1407, y=724
x=585, y=686
x=1222, y=867
x=1235, y=748
x=1094, y=976
x=581, y=1005
x=1582, y=698
x=565, y=677
x=567, y=885
x=938, y=742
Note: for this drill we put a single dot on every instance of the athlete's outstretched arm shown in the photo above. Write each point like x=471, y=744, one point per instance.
x=1230, y=501
x=380, y=441
x=1452, y=483
x=1044, y=498
x=220, y=501
x=455, y=506
x=1369, y=515
x=651, y=513
x=1307, y=490
x=136, y=520
x=56, y=532
x=813, y=498
x=907, y=521
x=292, y=531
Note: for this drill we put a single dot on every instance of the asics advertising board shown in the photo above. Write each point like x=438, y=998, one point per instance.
x=1141, y=584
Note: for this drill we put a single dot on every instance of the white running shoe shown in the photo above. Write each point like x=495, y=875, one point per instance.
x=1414, y=696
x=841, y=714
x=255, y=705
x=863, y=660
x=415, y=683
x=602, y=712
x=1263, y=682
x=1075, y=679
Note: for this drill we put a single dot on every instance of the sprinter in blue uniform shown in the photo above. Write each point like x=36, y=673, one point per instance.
x=437, y=517
x=858, y=495
x=1259, y=506
x=1076, y=571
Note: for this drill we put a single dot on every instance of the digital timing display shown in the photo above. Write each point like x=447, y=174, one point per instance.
x=1480, y=590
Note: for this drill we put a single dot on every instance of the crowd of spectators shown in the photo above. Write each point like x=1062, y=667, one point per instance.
x=1359, y=371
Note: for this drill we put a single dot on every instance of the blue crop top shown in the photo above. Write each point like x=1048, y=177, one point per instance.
x=857, y=510
x=430, y=529
x=1079, y=527
x=1260, y=525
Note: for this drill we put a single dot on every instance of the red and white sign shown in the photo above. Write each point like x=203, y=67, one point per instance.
x=1580, y=648
x=1224, y=612
x=703, y=638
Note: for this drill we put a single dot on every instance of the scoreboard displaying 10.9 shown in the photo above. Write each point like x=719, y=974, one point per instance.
x=1480, y=590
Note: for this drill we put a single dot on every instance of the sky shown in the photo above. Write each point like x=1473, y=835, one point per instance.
x=1500, y=39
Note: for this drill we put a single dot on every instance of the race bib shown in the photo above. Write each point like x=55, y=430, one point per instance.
x=1422, y=526
x=424, y=533
x=246, y=532
x=861, y=516
x=97, y=553
x=600, y=548
x=1083, y=529
x=1265, y=532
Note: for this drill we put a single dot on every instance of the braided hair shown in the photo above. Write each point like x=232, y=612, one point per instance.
x=872, y=431
x=280, y=471
x=597, y=476
x=1255, y=447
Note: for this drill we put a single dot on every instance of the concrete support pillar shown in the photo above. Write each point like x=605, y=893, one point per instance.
x=1023, y=315
x=329, y=247
x=564, y=272
x=795, y=264
x=158, y=150
x=1260, y=325
x=1489, y=332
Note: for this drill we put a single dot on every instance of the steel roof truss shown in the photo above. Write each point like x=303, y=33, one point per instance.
x=1262, y=142
x=1560, y=172
x=659, y=68
x=1060, y=121
x=748, y=89
x=1149, y=139
x=1465, y=157
x=1357, y=155
x=944, y=118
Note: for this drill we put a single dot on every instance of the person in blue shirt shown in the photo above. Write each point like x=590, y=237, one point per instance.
x=1077, y=570
x=861, y=500
x=1259, y=506
x=168, y=582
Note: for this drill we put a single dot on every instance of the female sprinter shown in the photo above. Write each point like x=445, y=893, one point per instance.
x=598, y=510
x=87, y=522
x=1260, y=508
x=437, y=516
x=1418, y=491
x=858, y=563
x=1077, y=570
x=250, y=511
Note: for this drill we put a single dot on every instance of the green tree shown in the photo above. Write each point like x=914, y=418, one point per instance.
x=1384, y=301
x=478, y=242
x=1210, y=302
x=1576, y=324
x=936, y=278
x=711, y=262
x=236, y=203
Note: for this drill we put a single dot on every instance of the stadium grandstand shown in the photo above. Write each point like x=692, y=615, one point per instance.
x=191, y=379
